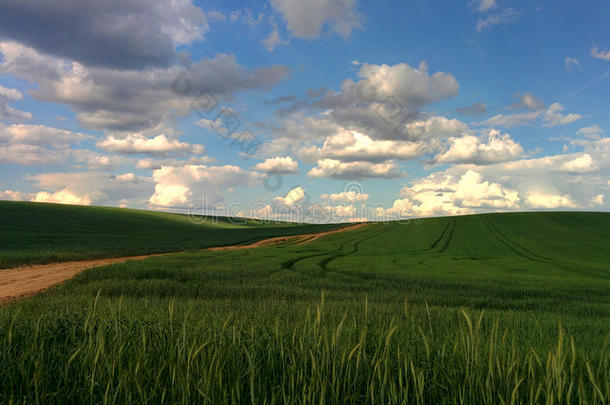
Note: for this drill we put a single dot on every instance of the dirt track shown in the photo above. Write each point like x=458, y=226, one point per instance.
x=295, y=239
x=23, y=281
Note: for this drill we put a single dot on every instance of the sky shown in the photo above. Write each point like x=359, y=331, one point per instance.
x=317, y=111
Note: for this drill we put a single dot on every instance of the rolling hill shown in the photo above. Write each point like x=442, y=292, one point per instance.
x=42, y=233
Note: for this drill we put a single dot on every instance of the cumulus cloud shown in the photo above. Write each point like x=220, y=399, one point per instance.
x=349, y=196
x=350, y=146
x=337, y=169
x=598, y=200
x=64, y=196
x=305, y=19
x=580, y=164
x=538, y=199
x=13, y=195
x=138, y=143
x=412, y=87
x=495, y=148
x=27, y=144
x=293, y=197
x=563, y=181
x=432, y=127
x=119, y=34
x=153, y=164
x=130, y=100
x=364, y=107
x=278, y=165
x=445, y=194
x=92, y=188
x=181, y=187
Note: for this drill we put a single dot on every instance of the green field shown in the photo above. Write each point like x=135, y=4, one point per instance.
x=484, y=309
x=42, y=233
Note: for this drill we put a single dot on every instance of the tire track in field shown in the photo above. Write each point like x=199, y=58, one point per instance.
x=447, y=230
x=527, y=254
x=449, y=236
x=512, y=245
x=324, y=263
x=441, y=235
x=289, y=264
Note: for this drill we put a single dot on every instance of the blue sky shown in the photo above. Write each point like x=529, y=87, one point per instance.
x=347, y=109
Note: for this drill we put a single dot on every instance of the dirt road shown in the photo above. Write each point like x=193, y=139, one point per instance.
x=23, y=281
x=295, y=239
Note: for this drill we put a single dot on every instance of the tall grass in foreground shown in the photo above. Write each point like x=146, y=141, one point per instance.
x=106, y=355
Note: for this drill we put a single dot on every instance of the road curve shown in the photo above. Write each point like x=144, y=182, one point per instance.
x=23, y=281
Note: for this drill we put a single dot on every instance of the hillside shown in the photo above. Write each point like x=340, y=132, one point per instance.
x=40, y=233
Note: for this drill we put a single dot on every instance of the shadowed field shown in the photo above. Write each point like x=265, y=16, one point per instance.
x=44, y=233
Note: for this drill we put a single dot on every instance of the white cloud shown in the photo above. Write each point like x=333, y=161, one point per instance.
x=336, y=169
x=513, y=120
x=580, y=164
x=305, y=19
x=13, y=195
x=153, y=164
x=37, y=144
x=40, y=135
x=550, y=182
x=553, y=117
x=278, y=165
x=412, y=87
x=433, y=127
x=537, y=199
x=470, y=149
x=590, y=132
x=92, y=188
x=139, y=143
x=349, y=196
x=484, y=5
x=528, y=101
x=598, y=200
x=600, y=54
x=293, y=197
x=184, y=186
x=274, y=39
x=503, y=17
x=350, y=146
x=245, y=16
x=329, y=213
x=8, y=113
x=572, y=63
x=445, y=194
x=64, y=196
x=471, y=191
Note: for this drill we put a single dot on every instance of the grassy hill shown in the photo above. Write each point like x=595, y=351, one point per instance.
x=40, y=232
x=482, y=309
